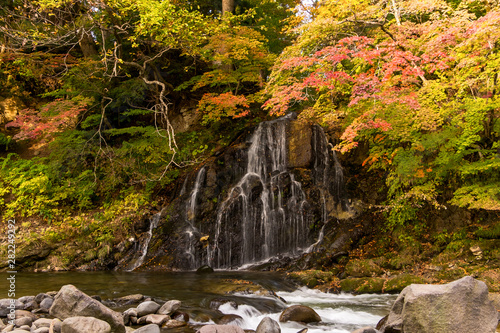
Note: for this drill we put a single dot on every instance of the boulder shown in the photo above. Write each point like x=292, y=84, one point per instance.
x=42, y=322
x=461, y=306
x=204, y=270
x=268, y=325
x=229, y=319
x=146, y=308
x=220, y=329
x=84, y=325
x=151, y=328
x=71, y=302
x=42, y=330
x=55, y=326
x=299, y=313
x=157, y=319
x=130, y=299
x=169, y=307
x=23, y=321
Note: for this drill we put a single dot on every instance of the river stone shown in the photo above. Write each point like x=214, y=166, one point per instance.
x=26, y=299
x=23, y=321
x=169, y=307
x=46, y=303
x=299, y=313
x=42, y=322
x=85, y=325
x=42, y=330
x=461, y=306
x=24, y=313
x=5, y=303
x=71, y=302
x=40, y=297
x=220, y=329
x=229, y=318
x=151, y=328
x=28, y=328
x=157, y=319
x=268, y=325
x=55, y=326
x=147, y=307
x=135, y=298
x=174, y=323
x=205, y=269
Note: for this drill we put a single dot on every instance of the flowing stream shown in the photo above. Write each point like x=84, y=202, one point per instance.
x=341, y=313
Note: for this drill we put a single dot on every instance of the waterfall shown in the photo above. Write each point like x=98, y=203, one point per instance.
x=153, y=223
x=191, y=230
x=264, y=215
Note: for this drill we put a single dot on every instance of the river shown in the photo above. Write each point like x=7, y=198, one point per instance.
x=340, y=313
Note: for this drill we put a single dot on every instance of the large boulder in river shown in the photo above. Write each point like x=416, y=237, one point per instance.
x=299, y=313
x=71, y=302
x=461, y=306
x=84, y=325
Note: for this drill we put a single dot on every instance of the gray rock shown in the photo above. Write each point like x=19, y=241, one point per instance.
x=5, y=303
x=268, y=325
x=40, y=297
x=230, y=319
x=169, y=307
x=366, y=329
x=299, y=313
x=25, y=327
x=23, y=321
x=85, y=325
x=71, y=302
x=55, y=326
x=26, y=299
x=30, y=305
x=220, y=329
x=146, y=308
x=46, y=303
x=151, y=328
x=461, y=306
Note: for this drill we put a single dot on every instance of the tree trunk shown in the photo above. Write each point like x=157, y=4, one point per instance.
x=87, y=45
x=228, y=6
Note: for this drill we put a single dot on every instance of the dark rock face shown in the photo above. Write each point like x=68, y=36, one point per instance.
x=461, y=306
x=268, y=195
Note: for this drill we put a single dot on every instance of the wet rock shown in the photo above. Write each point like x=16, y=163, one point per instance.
x=169, y=307
x=299, y=145
x=5, y=305
x=146, y=308
x=229, y=319
x=85, y=325
x=151, y=328
x=217, y=302
x=26, y=299
x=40, y=297
x=205, y=269
x=181, y=316
x=71, y=302
x=128, y=314
x=174, y=324
x=461, y=306
x=220, y=329
x=130, y=299
x=299, y=313
x=268, y=325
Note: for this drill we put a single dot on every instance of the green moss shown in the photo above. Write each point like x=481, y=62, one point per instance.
x=398, y=283
x=362, y=285
x=363, y=268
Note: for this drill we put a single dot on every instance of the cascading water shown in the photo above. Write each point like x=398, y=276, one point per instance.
x=191, y=230
x=153, y=223
x=264, y=215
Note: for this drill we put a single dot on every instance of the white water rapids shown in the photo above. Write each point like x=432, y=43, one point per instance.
x=342, y=313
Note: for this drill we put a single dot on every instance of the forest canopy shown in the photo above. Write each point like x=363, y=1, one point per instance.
x=414, y=83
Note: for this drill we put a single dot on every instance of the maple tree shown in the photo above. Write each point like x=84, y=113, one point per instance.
x=417, y=81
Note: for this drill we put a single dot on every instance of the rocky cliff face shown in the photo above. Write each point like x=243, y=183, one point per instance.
x=269, y=195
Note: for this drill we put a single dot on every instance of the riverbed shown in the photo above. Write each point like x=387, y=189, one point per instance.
x=340, y=313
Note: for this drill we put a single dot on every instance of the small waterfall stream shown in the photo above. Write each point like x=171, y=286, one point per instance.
x=191, y=230
x=153, y=223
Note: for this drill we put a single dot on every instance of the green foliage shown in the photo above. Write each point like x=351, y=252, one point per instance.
x=492, y=232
